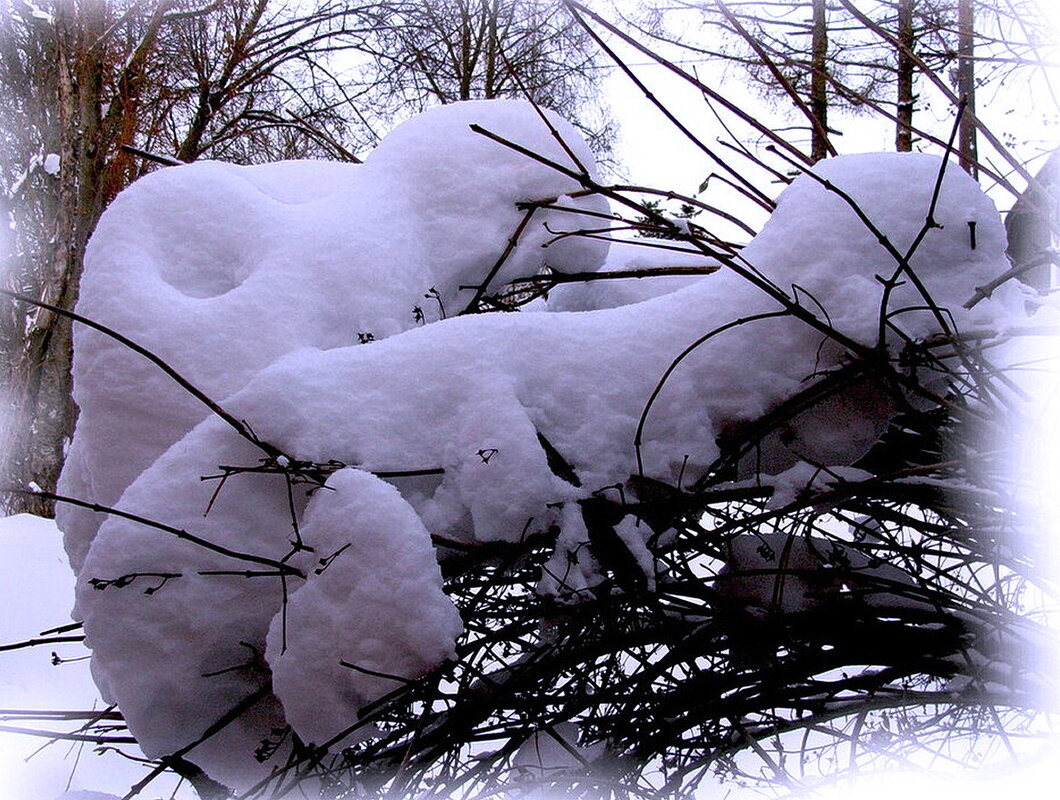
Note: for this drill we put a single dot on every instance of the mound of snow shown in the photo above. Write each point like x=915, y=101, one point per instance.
x=372, y=610
x=180, y=633
x=473, y=396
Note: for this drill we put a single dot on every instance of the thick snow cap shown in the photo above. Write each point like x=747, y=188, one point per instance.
x=472, y=397
x=221, y=269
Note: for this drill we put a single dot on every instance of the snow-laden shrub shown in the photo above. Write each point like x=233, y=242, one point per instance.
x=275, y=587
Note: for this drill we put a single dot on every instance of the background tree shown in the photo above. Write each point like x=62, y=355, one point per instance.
x=449, y=50
x=966, y=146
x=797, y=53
x=904, y=78
x=871, y=57
x=82, y=84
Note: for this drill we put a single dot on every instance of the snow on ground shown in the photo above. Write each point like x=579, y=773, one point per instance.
x=257, y=283
x=36, y=594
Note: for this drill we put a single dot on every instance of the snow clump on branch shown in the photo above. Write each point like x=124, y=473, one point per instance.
x=220, y=270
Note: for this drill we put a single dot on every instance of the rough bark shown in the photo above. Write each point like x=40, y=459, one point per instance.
x=819, y=81
x=39, y=381
x=906, y=68
x=967, y=148
x=90, y=129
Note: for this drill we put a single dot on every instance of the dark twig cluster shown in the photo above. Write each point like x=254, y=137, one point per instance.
x=914, y=639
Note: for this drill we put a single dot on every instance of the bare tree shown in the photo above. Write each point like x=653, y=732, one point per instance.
x=876, y=57
x=238, y=77
x=802, y=53
x=966, y=146
x=904, y=78
x=66, y=56
x=440, y=52
x=819, y=80
x=87, y=83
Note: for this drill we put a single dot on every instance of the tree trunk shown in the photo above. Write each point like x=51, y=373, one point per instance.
x=41, y=381
x=819, y=80
x=903, y=139
x=966, y=140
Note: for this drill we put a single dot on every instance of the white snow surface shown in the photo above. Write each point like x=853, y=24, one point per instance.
x=571, y=573
x=36, y=591
x=631, y=254
x=201, y=643
x=254, y=284
x=368, y=606
x=804, y=478
x=38, y=13
x=441, y=396
x=634, y=534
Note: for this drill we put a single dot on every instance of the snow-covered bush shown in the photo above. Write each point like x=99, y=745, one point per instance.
x=283, y=583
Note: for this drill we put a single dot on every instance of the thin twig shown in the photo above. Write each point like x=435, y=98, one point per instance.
x=285, y=569
x=238, y=426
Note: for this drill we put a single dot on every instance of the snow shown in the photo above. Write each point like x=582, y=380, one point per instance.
x=36, y=592
x=634, y=535
x=630, y=255
x=548, y=753
x=258, y=284
x=38, y=13
x=789, y=574
x=583, y=379
x=571, y=573
x=367, y=606
x=51, y=163
x=198, y=644
x=808, y=479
